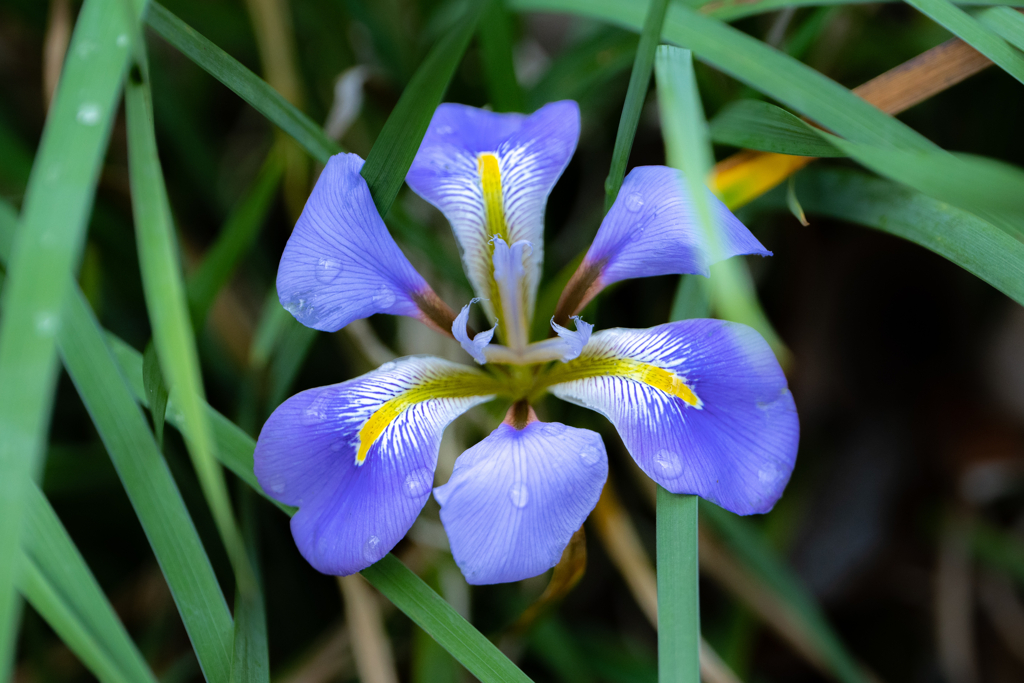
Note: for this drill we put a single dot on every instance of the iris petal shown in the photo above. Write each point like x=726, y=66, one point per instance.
x=358, y=458
x=340, y=263
x=490, y=174
x=651, y=230
x=701, y=405
x=515, y=499
x=574, y=341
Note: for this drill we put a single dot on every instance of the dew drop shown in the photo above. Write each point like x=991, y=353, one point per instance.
x=337, y=445
x=388, y=367
x=303, y=311
x=590, y=455
x=46, y=322
x=88, y=114
x=634, y=202
x=315, y=412
x=122, y=40
x=444, y=130
x=327, y=270
x=384, y=297
x=419, y=482
x=277, y=485
x=769, y=474
x=371, y=549
x=668, y=464
x=519, y=494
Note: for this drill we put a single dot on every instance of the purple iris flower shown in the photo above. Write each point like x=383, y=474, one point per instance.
x=702, y=405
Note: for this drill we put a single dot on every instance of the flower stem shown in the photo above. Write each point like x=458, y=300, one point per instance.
x=678, y=594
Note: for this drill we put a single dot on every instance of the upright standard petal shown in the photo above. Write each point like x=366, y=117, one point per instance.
x=341, y=264
x=515, y=499
x=358, y=458
x=651, y=230
x=702, y=406
x=490, y=174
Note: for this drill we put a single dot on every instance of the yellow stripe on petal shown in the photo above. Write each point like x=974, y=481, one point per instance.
x=651, y=375
x=451, y=386
x=494, y=206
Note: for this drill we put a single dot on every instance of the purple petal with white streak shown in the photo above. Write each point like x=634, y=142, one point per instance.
x=351, y=515
x=340, y=263
x=515, y=499
x=738, y=448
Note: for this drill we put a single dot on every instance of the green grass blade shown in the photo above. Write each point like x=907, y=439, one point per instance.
x=156, y=391
x=392, y=578
x=974, y=33
x=393, y=151
x=496, y=55
x=252, y=662
x=678, y=589
x=758, y=65
x=235, y=240
x=168, y=313
x=430, y=612
x=758, y=557
x=54, y=217
x=63, y=590
x=751, y=124
x=730, y=10
x=243, y=82
x=150, y=487
x=968, y=241
x=692, y=299
x=1007, y=23
x=636, y=94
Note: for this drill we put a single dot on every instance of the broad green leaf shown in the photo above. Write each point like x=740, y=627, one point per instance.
x=54, y=216
x=496, y=55
x=636, y=94
x=395, y=148
x=149, y=485
x=758, y=557
x=156, y=391
x=730, y=10
x=678, y=588
x=243, y=82
x=752, y=124
x=971, y=31
x=60, y=586
x=1006, y=22
x=758, y=65
x=968, y=241
x=168, y=312
x=236, y=238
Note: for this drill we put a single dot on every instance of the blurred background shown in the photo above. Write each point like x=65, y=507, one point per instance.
x=904, y=519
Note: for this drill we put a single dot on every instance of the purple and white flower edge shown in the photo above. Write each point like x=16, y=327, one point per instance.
x=701, y=405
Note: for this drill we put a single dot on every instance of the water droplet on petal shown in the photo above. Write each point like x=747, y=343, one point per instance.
x=590, y=455
x=327, y=270
x=315, y=412
x=277, y=485
x=668, y=464
x=519, y=494
x=419, y=482
x=384, y=297
x=88, y=114
x=769, y=474
x=337, y=445
x=303, y=311
x=634, y=201
x=371, y=550
x=444, y=130
x=387, y=367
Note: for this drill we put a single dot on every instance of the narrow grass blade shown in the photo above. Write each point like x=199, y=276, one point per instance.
x=392, y=578
x=639, y=80
x=236, y=238
x=168, y=313
x=678, y=589
x=758, y=65
x=55, y=213
x=496, y=55
x=251, y=663
x=968, y=241
x=393, y=151
x=758, y=557
x=60, y=586
x=751, y=124
x=150, y=487
x=1006, y=22
x=243, y=82
x=731, y=10
x=692, y=299
x=974, y=33
x=156, y=391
